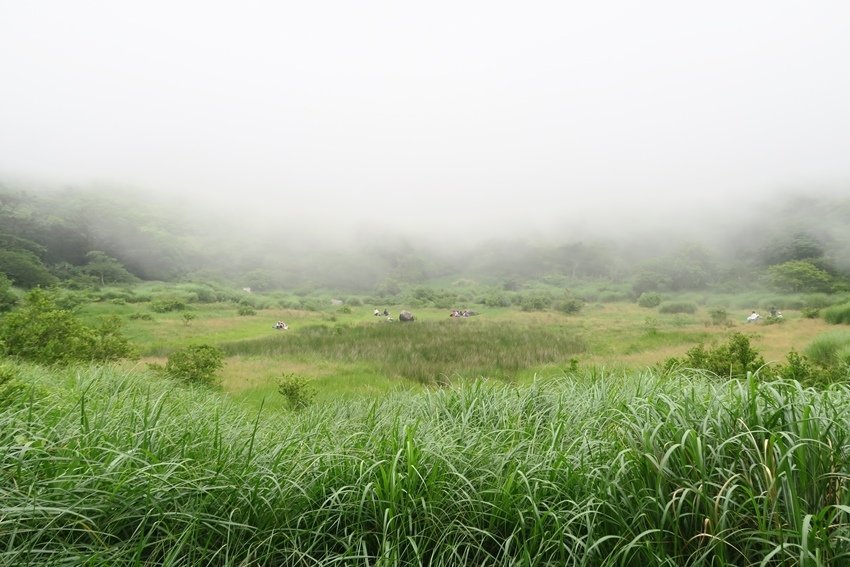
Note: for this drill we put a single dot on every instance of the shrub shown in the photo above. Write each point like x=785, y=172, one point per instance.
x=677, y=307
x=570, y=305
x=537, y=301
x=837, y=314
x=108, y=342
x=649, y=299
x=811, y=312
x=195, y=364
x=246, y=311
x=43, y=333
x=345, y=309
x=496, y=300
x=166, y=304
x=735, y=358
x=142, y=316
x=297, y=391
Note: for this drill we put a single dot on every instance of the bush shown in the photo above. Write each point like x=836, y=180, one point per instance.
x=196, y=364
x=735, y=358
x=166, y=304
x=43, y=333
x=108, y=342
x=142, y=316
x=496, y=300
x=677, y=307
x=837, y=314
x=297, y=391
x=649, y=299
x=811, y=312
x=245, y=311
x=537, y=301
x=570, y=305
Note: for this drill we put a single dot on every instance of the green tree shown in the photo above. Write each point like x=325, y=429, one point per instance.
x=795, y=246
x=25, y=269
x=799, y=275
x=106, y=268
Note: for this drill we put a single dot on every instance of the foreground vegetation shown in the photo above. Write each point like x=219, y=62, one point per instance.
x=103, y=467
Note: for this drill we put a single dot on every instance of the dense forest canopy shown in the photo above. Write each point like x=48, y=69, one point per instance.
x=95, y=236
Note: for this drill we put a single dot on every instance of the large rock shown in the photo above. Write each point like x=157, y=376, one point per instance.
x=405, y=316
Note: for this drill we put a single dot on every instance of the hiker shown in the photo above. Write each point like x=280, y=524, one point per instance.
x=376, y=313
x=386, y=313
x=753, y=317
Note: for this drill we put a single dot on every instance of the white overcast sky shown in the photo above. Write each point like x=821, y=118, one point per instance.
x=503, y=112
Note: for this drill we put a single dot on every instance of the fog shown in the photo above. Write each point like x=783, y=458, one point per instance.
x=454, y=121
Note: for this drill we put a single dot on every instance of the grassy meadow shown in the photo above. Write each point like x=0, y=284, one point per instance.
x=521, y=438
x=348, y=351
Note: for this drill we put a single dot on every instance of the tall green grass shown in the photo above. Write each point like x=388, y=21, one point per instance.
x=826, y=349
x=425, y=351
x=100, y=467
x=837, y=314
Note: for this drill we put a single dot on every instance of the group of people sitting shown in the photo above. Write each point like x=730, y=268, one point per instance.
x=774, y=314
x=461, y=313
x=378, y=313
x=280, y=325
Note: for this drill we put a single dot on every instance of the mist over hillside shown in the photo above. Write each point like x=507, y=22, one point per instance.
x=157, y=238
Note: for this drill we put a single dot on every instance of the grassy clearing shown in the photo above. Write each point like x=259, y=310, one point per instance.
x=104, y=467
x=351, y=354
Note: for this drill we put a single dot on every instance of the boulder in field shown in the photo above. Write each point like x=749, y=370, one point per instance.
x=406, y=316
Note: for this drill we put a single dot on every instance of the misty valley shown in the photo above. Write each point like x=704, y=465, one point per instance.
x=182, y=389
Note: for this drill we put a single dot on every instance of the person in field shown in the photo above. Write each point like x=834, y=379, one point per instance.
x=753, y=317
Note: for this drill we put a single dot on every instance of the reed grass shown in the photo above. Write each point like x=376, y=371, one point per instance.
x=106, y=467
x=428, y=352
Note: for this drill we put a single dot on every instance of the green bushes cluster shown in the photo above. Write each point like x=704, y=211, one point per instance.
x=245, y=311
x=497, y=299
x=570, y=304
x=167, y=304
x=536, y=301
x=736, y=357
x=826, y=360
x=41, y=332
x=649, y=299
